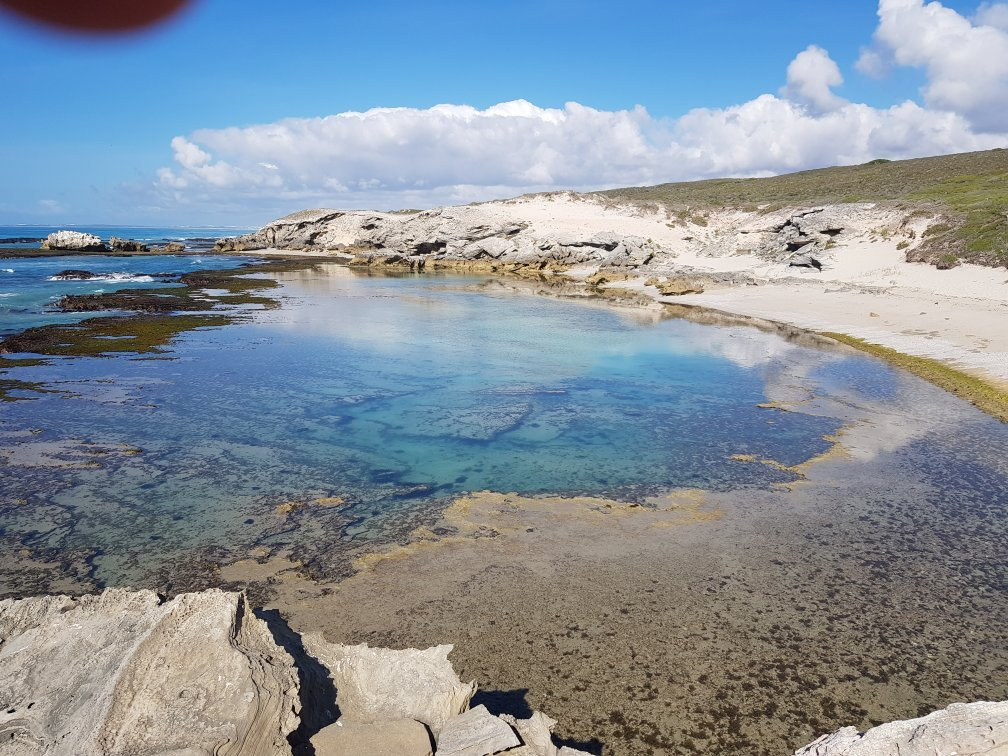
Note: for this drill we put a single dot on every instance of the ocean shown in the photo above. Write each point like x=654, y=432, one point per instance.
x=194, y=237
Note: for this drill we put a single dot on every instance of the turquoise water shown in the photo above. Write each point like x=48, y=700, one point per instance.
x=394, y=393
x=28, y=291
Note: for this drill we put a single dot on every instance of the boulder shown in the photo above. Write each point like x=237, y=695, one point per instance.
x=73, y=241
x=962, y=729
x=476, y=732
x=126, y=245
x=127, y=672
x=375, y=684
x=536, y=733
x=402, y=737
x=674, y=287
x=171, y=248
x=804, y=261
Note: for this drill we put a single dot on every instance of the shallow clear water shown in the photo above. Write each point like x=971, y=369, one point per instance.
x=393, y=393
x=27, y=291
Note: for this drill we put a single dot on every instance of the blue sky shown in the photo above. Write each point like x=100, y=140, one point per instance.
x=91, y=121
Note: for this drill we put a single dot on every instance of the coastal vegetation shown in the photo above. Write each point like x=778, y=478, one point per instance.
x=969, y=191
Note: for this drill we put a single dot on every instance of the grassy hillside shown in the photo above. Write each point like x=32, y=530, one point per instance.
x=969, y=189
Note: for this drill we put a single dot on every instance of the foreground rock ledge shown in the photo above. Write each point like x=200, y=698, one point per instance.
x=130, y=672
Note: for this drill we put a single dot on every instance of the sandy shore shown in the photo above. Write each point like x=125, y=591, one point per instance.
x=866, y=288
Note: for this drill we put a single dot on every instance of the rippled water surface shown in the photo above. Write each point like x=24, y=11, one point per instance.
x=393, y=393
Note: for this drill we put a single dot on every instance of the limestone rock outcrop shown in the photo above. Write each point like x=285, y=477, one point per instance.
x=126, y=245
x=171, y=248
x=73, y=241
x=440, y=237
x=377, y=684
x=962, y=729
x=674, y=287
x=476, y=732
x=402, y=737
x=126, y=672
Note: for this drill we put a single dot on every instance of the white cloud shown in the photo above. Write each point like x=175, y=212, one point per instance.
x=811, y=77
x=993, y=14
x=397, y=157
x=872, y=63
x=966, y=62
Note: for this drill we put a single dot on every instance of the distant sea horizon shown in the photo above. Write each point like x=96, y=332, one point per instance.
x=29, y=236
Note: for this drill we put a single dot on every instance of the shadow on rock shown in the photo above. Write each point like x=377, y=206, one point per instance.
x=593, y=746
x=315, y=686
x=504, y=702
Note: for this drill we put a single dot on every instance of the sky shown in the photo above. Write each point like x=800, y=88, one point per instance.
x=235, y=113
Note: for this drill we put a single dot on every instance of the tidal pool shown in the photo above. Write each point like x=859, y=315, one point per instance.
x=383, y=396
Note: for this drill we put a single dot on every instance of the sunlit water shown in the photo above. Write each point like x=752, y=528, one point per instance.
x=394, y=393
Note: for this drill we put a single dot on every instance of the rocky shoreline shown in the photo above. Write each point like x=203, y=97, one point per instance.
x=863, y=270
x=133, y=672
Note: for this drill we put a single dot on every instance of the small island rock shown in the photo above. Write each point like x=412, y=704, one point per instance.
x=74, y=241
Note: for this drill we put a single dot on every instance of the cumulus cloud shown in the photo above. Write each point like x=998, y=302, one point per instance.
x=993, y=14
x=966, y=62
x=395, y=157
x=811, y=77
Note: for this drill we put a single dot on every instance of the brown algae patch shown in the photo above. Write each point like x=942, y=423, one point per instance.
x=106, y=335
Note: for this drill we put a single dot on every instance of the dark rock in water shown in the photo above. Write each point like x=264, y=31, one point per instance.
x=74, y=275
x=804, y=261
x=20, y=240
x=136, y=300
x=126, y=245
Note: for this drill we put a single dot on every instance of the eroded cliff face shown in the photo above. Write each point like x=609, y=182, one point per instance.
x=520, y=234
x=128, y=672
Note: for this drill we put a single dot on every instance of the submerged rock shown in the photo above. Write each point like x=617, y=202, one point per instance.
x=126, y=672
x=961, y=729
x=74, y=241
x=73, y=275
